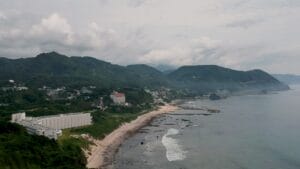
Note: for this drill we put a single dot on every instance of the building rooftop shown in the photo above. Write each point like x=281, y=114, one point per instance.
x=30, y=124
x=59, y=115
x=117, y=94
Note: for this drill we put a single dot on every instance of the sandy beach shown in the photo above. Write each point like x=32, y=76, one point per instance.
x=101, y=154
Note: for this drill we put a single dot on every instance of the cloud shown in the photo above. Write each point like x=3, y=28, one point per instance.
x=197, y=51
x=2, y=17
x=246, y=23
x=53, y=29
x=53, y=23
x=54, y=33
x=243, y=34
x=136, y=3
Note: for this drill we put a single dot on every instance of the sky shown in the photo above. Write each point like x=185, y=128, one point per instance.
x=239, y=34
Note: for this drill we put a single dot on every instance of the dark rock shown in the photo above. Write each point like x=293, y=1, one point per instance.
x=214, y=97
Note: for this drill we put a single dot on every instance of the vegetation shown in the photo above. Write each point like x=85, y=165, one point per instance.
x=111, y=118
x=37, y=103
x=19, y=150
x=209, y=78
x=53, y=69
x=104, y=123
x=76, y=84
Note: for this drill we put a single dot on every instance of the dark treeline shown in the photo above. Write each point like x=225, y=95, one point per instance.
x=19, y=150
x=53, y=69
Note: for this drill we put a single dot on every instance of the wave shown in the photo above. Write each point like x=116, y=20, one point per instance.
x=174, y=151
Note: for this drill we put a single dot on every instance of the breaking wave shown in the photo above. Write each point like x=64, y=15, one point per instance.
x=174, y=151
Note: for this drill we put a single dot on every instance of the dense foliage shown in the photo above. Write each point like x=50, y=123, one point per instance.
x=53, y=69
x=211, y=78
x=106, y=121
x=19, y=150
x=36, y=103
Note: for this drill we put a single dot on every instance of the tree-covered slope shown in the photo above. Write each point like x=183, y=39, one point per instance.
x=19, y=150
x=212, y=77
x=150, y=75
x=53, y=69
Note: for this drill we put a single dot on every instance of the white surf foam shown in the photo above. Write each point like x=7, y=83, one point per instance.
x=174, y=151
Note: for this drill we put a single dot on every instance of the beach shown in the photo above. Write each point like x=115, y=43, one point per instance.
x=251, y=131
x=101, y=153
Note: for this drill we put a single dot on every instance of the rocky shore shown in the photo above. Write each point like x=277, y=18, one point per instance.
x=100, y=154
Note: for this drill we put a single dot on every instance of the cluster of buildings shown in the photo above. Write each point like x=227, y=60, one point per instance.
x=51, y=126
x=13, y=86
x=159, y=95
x=118, y=98
x=63, y=93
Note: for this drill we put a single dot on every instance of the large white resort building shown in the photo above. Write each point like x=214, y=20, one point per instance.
x=51, y=126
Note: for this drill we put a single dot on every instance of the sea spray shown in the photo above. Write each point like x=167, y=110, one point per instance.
x=174, y=151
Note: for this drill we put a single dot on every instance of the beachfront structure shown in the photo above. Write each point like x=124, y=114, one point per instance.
x=33, y=128
x=17, y=117
x=64, y=121
x=50, y=126
x=118, y=98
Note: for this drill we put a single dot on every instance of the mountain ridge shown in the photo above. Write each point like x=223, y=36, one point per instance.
x=58, y=69
x=212, y=77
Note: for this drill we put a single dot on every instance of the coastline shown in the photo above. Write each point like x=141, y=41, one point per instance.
x=102, y=152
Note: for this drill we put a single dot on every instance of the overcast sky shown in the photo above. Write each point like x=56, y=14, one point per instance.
x=240, y=34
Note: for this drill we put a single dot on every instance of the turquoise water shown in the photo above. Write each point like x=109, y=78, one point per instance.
x=251, y=132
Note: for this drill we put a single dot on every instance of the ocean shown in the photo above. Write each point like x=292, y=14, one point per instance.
x=250, y=132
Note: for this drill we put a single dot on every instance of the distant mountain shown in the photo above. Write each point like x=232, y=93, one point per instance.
x=165, y=68
x=150, y=75
x=212, y=77
x=54, y=69
x=288, y=78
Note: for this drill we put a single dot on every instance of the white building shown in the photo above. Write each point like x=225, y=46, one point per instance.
x=17, y=117
x=20, y=88
x=38, y=129
x=50, y=126
x=118, y=98
x=64, y=121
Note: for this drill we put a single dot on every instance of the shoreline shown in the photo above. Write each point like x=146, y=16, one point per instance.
x=101, y=153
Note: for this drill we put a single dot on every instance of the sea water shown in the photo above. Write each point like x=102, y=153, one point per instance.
x=251, y=132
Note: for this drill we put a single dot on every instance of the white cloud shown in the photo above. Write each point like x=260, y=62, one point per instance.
x=54, y=33
x=240, y=34
x=2, y=16
x=99, y=37
x=53, y=23
x=196, y=51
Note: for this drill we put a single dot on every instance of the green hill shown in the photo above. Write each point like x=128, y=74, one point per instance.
x=150, y=75
x=54, y=69
x=212, y=77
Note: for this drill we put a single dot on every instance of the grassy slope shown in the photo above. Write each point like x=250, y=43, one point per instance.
x=19, y=150
x=106, y=122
